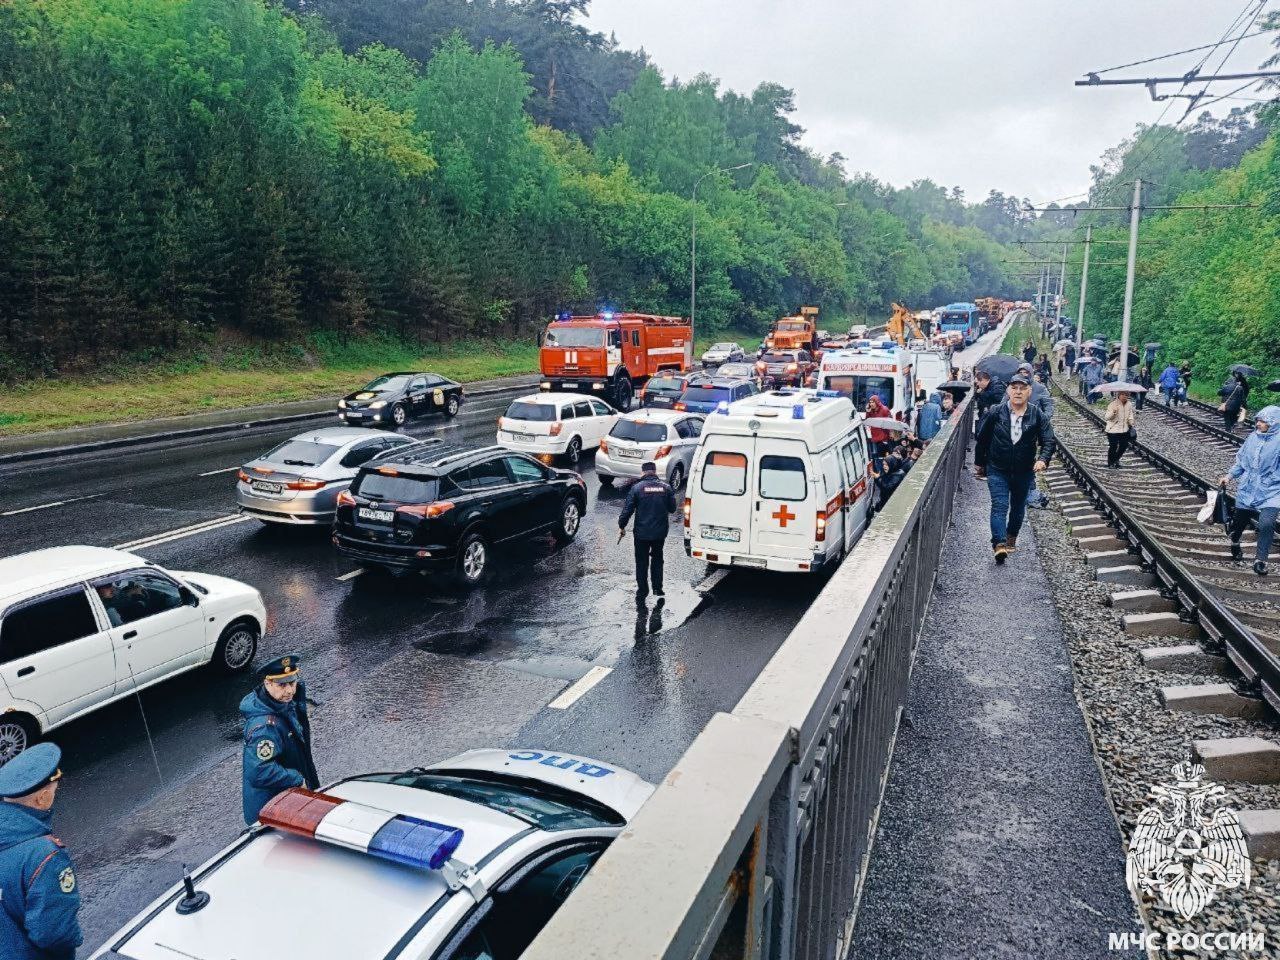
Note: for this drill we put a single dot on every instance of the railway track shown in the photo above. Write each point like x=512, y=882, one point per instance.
x=1193, y=421
x=1210, y=414
x=1150, y=507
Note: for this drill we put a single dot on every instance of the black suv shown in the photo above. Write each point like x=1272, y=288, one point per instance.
x=419, y=511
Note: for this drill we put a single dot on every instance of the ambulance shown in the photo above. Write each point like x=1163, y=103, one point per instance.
x=779, y=482
x=871, y=368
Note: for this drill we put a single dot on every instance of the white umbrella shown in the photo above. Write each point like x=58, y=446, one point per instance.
x=1118, y=387
x=1063, y=343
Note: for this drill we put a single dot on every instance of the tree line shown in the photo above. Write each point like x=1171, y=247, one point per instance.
x=177, y=171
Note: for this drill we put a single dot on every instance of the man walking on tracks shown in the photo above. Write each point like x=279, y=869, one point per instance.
x=652, y=501
x=1015, y=442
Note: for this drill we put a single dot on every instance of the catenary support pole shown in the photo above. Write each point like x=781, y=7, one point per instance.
x=1084, y=288
x=1134, y=214
x=1062, y=287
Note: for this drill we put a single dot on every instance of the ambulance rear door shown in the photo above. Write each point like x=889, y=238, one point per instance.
x=720, y=494
x=785, y=490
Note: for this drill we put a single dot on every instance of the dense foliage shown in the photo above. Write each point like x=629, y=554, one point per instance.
x=175, y=170
x=1207, y=284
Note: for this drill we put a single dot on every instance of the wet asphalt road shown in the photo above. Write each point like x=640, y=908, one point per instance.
x=406, y=670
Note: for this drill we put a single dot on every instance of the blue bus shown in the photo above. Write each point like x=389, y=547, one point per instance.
x=961, y=318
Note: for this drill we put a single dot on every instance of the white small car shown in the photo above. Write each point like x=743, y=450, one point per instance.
x=81, y=627
x=550, y=425
x=668, y=438
x=720, y=353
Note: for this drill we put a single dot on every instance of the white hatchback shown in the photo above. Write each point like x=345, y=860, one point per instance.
x=83, y=626
x=550, y=425
x=667, y=438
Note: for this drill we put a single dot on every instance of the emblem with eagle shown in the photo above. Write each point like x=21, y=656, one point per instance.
x=1187, y=846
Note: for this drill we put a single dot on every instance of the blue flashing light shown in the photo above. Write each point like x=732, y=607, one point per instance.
x=829, y=394
x=564, y=316
x=416, y=843
x=797, y=411
x=723, y=407
x=607, y=314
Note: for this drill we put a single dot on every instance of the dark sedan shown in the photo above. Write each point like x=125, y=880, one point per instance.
x=393, y=399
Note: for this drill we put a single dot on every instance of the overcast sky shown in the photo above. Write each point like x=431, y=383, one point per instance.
x=975, y=93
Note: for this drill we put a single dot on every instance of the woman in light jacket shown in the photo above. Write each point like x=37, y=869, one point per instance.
x=1120, y=420
x=1257, y=468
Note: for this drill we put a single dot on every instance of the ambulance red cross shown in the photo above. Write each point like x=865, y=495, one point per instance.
x=464, y=860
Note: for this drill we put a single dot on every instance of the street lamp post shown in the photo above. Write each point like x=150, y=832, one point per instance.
x=693, y=241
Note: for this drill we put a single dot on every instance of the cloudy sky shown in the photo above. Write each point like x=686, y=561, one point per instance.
x=975, y=93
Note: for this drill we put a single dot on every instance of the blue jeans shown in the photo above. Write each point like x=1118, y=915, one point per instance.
x=1008, y=502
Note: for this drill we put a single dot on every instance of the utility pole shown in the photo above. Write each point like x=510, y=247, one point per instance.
x=1134, y=213
x=1040, y=290
x=1062, y=286
x=1084, y=288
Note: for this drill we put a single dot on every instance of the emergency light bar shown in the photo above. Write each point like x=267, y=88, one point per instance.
x=398, y=838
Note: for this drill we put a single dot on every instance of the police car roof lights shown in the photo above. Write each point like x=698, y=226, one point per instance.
x=401, y=839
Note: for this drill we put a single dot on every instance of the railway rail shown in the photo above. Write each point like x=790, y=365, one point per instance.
x=1152, y=506
x=1210, y=412
x=1193, y=422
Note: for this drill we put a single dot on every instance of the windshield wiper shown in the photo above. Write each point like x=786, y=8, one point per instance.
x=299, y=463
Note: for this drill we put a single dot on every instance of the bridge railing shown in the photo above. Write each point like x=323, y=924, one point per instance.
x=757, y=843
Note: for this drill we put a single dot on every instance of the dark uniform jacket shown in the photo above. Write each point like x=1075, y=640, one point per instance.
x=39, y=902
x=652, y=501
x=277, y=748
x=995, y=447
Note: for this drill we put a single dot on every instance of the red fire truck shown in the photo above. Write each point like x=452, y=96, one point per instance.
x=613, y=354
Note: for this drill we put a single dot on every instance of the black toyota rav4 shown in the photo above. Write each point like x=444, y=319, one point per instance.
x=419, y=511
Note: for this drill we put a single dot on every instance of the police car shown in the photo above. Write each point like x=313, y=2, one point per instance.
x=463, y=860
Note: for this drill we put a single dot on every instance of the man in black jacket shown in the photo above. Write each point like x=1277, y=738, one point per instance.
x=1015, y=442
x=652, y=501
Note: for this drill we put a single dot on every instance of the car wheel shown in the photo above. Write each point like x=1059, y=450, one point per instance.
x=570, y=520
x=676, y=480
x=573, y=452
x=623, y=394
x=236, y=647
x=473, y=560
x=17, y=733
x=605, y=481
x=399, y=415
x=451, y=408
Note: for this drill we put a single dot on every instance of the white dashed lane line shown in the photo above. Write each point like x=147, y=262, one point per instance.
x=352, y=575
x=210, y=473
x=46, y=506
x=156, y=539
x=579, y=689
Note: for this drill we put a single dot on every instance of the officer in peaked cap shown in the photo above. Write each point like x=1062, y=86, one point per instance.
x=277, y=736
x=39, y=904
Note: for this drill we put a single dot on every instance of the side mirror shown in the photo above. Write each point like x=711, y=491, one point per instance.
x=189, y=597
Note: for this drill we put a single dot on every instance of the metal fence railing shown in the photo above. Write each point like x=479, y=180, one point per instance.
x=757, y=843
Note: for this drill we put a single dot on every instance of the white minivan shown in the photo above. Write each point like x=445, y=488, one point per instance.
x=779, y=482
x=83, y=626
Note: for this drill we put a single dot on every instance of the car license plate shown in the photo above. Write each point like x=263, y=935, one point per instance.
x=630, y=454
x=263, y=486
x=749, y=562
x=569, y=386
x=382, y=516
x=726, y=534
x=524, y=437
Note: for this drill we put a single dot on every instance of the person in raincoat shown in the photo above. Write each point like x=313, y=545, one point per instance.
x=929, y=417
x=879, y=437
x=1170, y=381
x=1257, y=470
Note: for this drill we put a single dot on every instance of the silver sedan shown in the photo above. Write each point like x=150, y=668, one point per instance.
x=298, y=482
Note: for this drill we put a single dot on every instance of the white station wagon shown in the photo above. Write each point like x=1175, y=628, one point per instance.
x=83, y=626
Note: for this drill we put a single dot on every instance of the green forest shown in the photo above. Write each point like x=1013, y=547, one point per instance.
x=181, y=173
x=1207, y=282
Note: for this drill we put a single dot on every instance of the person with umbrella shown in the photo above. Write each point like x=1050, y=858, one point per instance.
x=1257, y=470
x=1120, y=423
x=929, y=417
x=1090, y=378
x=1238, y=398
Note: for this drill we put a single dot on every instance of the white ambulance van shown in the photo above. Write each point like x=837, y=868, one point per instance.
x=931, y=368
x=779, y=482
x=879, y=368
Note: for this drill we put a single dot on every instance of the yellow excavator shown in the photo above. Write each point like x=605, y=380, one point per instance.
x=902, y=321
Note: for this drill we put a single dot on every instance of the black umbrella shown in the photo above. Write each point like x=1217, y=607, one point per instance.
x=998, y=366
x=1273, y=386
x=958, y=388
x=1245, y=370
x=1153, y=346
x=1133, y=356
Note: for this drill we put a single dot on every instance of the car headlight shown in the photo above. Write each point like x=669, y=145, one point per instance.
x=342, y=404
x=377, y=405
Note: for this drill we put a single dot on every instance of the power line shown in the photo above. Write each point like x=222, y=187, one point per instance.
x=1205, y=89
x=1166, y=56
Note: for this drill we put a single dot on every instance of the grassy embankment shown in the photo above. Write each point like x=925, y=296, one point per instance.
x=245, y=377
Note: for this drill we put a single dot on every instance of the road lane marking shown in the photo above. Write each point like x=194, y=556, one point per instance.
x=181, y=532
x=576, y=692
x=210, y=473
x=353, y=574
x=46, y=506
x=709, y=582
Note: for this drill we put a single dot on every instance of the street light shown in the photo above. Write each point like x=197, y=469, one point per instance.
x=693, y=241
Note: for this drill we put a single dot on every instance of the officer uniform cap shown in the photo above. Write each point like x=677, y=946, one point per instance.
x=30, y=770
x=1021, y=378
x=281, y=669
x=648, y=467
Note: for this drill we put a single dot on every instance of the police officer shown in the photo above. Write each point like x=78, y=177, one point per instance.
x=652, y=501
x=277, y=736
x=38, y=899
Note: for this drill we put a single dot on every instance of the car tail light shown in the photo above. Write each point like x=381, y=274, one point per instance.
x=793, y=367
x=761, y=365
x=244, y=477
x=502, y=423
x=556, y=428
x=345, y=499
x=389, y=471
x=688, y=511
x=680, y=405
x=304, y=484
x=604, y=444
x=663, y=451
x=820, y=527
x=427, y=511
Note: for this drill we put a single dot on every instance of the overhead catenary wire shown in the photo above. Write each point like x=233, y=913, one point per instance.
x=1176, y=53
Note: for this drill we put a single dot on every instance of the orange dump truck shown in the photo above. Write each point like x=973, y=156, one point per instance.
x=611, y=355
x=795, y=333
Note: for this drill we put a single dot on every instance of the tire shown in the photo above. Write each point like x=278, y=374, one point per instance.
x=605, y=481
x=622, y=394
x=676, y=478
x=17, y=732
x=570, y=521
x=473, y=560
x=573, y=452
x=451, y=408
x=399, y=416
x=236, y=647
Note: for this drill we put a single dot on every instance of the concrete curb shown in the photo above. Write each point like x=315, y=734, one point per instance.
x=96, y=446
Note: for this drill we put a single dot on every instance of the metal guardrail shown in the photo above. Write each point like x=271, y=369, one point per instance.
x=757, y=843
